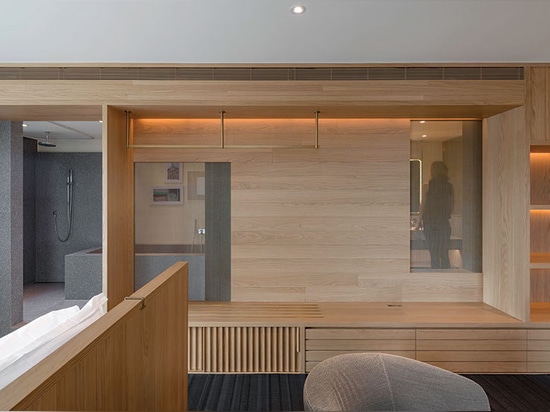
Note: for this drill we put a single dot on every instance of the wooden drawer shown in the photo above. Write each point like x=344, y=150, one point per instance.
x=538, y=351
x=474, y=350
x=323, y=343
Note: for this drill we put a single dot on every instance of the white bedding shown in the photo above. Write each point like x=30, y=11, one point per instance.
x=26, y=346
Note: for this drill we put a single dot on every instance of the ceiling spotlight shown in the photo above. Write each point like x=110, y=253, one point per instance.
x=297, y=9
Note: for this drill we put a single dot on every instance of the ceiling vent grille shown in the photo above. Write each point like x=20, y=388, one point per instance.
x=262, y=73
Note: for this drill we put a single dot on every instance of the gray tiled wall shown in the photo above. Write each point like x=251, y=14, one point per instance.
x=11, y=225
x=51, y=194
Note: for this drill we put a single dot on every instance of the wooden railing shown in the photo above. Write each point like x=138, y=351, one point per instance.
x=133, y=358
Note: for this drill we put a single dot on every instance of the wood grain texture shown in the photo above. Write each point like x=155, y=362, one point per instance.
x=317, y=225
x=540, y=285
x=118, y=210
x=540, y=178
x=538, y=104
x=506, y=213
x=132, y=358
x=264, y=99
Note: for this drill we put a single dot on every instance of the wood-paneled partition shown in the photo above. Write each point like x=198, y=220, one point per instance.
x=326, y=224
x=307, y=224
x=506, y=213
x=133, y=358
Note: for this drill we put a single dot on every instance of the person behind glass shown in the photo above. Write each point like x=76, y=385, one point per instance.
x=435, y=214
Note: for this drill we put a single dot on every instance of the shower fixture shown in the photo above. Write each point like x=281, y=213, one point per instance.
x=46, y=143
x=69, y=202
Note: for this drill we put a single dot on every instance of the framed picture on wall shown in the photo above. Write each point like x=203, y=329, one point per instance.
x=195, y=185
x=167, y=195
x=173, y=172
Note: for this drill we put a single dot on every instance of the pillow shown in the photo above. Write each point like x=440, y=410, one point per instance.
x=28, y=345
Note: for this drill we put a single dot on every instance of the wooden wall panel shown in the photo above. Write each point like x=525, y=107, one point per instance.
x=327, y=224
x=325, y=212
x=506, y=213
x=118, y=208
x=538, y=104
x=134, y=358
x=259, y=99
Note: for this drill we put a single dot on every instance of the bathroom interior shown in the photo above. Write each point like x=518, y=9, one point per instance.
x=63, y=219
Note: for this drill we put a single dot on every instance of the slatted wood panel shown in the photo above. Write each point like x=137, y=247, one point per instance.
x=236, y=349
x=474, y=350
x=323, y=343
x=538, y=351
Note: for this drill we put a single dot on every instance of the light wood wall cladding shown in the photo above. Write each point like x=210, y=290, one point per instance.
x=240, y=349
x=506, y=213
x=327, y=224
x=259, y=99
x=134, y=358
x=118, y=209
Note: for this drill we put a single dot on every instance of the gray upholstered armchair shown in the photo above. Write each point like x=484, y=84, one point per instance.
x=382, y=382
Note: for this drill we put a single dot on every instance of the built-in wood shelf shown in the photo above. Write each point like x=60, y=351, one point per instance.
x=540, y=260
x=540, y=207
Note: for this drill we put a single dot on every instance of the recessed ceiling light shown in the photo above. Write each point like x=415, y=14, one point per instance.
x=422, y=121
x=424, y=135
x=297, y=9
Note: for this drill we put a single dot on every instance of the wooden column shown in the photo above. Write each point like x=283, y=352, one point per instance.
x=118, y=208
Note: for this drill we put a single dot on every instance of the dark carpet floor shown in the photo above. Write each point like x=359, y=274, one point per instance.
x=283, y=392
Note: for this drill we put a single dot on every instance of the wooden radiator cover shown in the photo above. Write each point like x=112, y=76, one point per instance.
x=242, y=349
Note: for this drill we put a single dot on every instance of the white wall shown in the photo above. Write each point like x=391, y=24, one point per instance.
x=165, y=224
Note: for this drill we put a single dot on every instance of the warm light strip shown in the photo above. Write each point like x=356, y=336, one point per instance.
x=184, y=146
x=222, y=142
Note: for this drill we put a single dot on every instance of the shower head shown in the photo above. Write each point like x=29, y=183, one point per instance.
x=46, y=143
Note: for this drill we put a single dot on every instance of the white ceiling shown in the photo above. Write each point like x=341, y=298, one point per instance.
x=264, y=31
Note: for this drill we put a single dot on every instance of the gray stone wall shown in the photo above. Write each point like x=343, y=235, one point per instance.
x=29, y=210
x=11, y=225
x=51, y=195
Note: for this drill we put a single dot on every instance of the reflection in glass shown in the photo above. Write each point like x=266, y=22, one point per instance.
x=446, y=223
x=170, y=221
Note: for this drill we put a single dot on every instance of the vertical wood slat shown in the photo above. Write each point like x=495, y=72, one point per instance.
x=244, y=349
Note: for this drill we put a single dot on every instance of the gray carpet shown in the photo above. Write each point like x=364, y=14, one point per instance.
x=283, y=392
